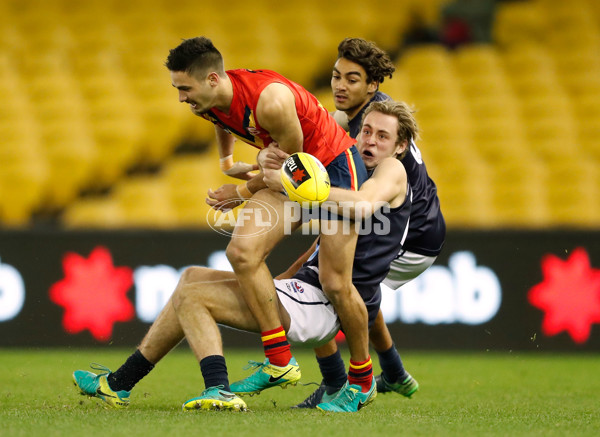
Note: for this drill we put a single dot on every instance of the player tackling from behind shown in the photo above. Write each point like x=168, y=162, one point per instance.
x=360, y=67
x=204, y=297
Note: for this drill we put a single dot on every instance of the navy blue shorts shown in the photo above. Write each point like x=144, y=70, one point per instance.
x=347, y=170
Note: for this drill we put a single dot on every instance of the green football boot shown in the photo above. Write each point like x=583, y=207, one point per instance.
x=266, y=376
x=215, y=398
x=406, y=388
x=96, y=385
x=350, y=399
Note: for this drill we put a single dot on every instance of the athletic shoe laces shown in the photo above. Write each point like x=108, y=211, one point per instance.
x=99, y=367
x=254, y=364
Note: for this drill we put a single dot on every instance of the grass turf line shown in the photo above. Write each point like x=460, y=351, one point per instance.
x=461, y=394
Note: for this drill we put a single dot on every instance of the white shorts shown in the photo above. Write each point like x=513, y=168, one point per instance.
x=313, y=319
x=406, y=267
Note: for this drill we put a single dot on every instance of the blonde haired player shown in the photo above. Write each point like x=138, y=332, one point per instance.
x=387, y=130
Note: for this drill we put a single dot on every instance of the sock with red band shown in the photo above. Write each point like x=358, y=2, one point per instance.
x=277, y=348
x=361, y=374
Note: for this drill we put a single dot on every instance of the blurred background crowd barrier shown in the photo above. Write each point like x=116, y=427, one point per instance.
x=488, y=290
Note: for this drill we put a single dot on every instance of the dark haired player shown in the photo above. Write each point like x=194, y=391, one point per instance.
x=360, y=68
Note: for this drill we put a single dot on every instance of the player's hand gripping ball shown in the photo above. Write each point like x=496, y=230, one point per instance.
x=305, y=179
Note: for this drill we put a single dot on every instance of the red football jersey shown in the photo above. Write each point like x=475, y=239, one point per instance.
x=323, y=137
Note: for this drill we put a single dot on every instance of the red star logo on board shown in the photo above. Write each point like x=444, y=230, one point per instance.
x=569, y=295
x=298, y=175
x=93, y=293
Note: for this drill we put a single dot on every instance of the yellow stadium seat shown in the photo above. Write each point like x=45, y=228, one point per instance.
x=93, y=213
x=495, y=137
x=394, y=17
x=145, y=203
x=550, y=141
x=117, y=132
x=476, y=60
x=420, y=87
x=588, y=134
x=573, y=193
x=303, y=51
x=583, y=36
x=518, y=22
x=427, y=60
x=530, y=70
x=491, y=84
x=435, y=107
x=20, y=135
x=465, y=193
x=325, y=97
x=427, y=12
x=162, y=129
x=484, y=106
x=446, y=136
x=397, y=87
x=519, y=191
x=188, y=179
x=578, y=69
x=593, y=8
x=561, y=15
x=197, y=130
x=555, y=107
x=21, y=188
x=534, y=85
x=71, y=153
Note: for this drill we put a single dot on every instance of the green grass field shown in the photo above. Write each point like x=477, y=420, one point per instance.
x=503, y=394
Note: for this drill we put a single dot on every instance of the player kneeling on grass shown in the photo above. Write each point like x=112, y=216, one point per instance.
x=204, y=297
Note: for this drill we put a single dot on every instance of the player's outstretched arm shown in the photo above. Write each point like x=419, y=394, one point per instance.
x=387, y=186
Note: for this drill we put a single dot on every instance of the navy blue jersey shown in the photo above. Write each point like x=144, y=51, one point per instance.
x=354, y=124
x=427, y=230
x=379, y=241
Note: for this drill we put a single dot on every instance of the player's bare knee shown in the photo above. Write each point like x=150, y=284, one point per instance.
x=193, y=274
x=189, y=275
x=178, y=298
x=241, y=257
x=335, y=286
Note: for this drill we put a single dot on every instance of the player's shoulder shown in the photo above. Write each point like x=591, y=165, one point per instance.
x=390, y=168
x=380, y=96
x=276, y=92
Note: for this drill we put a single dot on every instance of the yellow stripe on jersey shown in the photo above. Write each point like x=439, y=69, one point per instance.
x=252, y=126
x=352, y=166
